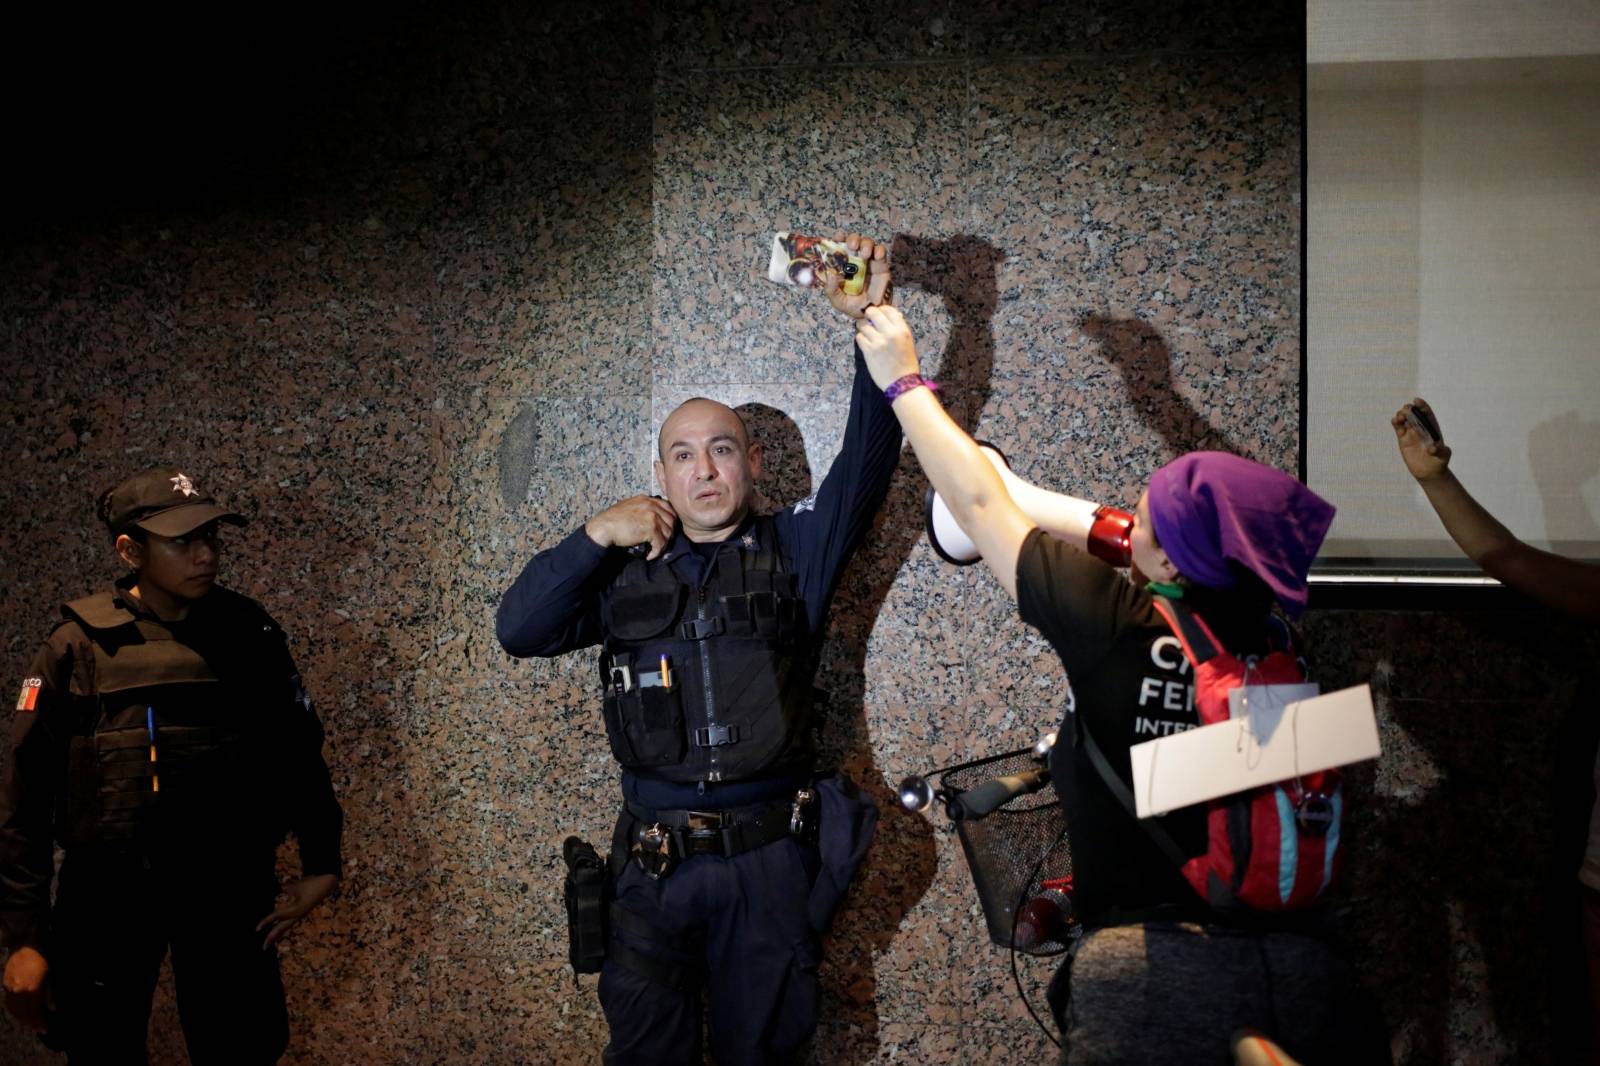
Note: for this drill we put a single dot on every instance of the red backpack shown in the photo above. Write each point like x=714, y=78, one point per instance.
x=1273, y=848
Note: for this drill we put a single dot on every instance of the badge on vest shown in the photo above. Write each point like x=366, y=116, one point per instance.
x=29, y=697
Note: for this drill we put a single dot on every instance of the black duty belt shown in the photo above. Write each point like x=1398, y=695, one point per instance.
x=730, y=832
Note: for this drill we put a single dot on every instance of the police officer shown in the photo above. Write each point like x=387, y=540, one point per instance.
x=709, y=634
x=164, y=740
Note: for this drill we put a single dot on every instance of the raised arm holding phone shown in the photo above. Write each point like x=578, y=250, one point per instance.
x=1557, y=582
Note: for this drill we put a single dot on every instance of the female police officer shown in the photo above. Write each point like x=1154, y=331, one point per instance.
x=164, y=740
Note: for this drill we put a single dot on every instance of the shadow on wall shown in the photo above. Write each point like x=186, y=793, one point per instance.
x=1137, y=351
x=785, y=470
x=963, y=271
x=1561, y=466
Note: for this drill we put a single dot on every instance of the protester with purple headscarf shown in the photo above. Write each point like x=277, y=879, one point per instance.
x=1224, y=520
x=1157, y=977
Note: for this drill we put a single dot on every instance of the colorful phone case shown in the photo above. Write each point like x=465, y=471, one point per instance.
x=799, y=259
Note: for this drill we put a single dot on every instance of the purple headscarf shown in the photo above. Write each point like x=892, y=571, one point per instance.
x=1212, y=508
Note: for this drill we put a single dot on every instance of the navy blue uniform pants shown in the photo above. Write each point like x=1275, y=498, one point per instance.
x=113, y=924
x=737, y=931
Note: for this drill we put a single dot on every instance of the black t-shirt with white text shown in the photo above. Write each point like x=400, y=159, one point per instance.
x=1130, y=683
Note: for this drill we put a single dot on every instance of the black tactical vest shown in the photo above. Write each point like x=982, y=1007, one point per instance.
x=143, y=678
x=709, y=683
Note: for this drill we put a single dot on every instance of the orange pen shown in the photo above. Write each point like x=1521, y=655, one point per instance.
x=150, y=724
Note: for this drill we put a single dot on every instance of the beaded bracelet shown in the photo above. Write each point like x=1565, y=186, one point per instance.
x=900, y=386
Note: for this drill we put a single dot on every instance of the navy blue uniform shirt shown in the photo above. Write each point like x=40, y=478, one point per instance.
x=554, y=605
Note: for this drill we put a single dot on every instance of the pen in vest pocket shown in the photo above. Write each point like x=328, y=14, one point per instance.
x=150, y=724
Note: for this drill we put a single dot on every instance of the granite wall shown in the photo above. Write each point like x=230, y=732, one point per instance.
x=415, y=295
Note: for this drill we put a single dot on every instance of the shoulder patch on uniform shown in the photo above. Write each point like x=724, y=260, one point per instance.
x=29, y=698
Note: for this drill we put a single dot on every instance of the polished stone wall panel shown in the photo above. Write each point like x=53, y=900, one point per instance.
x=429, y=317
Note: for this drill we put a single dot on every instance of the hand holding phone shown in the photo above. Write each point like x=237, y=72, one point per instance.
x=1421, y=443
x=802, y=260
x=1421, y=419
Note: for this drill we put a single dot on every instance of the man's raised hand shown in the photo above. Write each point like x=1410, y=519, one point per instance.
x=877, y=290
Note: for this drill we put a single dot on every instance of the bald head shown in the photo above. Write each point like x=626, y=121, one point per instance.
x=696, y=409
x=707, y=467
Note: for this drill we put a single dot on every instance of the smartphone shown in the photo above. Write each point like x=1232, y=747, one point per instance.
x=800, y=259
x=1422, y=421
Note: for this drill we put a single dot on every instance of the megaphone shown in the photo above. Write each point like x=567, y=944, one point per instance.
x=1057, y=513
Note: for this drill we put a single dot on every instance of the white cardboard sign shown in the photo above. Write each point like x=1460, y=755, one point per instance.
x=1273, y=740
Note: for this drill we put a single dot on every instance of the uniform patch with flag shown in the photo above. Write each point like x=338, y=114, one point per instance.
x=29, y=698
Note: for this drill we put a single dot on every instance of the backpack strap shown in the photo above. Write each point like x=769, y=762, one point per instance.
x=1200, y=645
x=1118, y=788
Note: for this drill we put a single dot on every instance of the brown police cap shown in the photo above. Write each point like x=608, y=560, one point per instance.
x=164, y=501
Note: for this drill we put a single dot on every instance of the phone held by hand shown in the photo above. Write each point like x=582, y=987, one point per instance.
x=1422, y=421
x=799, y=259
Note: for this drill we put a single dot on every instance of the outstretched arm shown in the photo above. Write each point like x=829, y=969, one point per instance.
x=821, y=533
x=1562, y=584
x=959, y=471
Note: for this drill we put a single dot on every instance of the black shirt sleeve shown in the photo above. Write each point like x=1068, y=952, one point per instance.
x=554, y=605
x=821, y=532
x=1080, y=603
x=35, y=776
x=315, y=817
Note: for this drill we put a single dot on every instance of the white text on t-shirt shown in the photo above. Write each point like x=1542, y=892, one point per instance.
x=1168, y=695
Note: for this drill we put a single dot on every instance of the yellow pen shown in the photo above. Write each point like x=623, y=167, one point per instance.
x=666, y=674
x=150, y=724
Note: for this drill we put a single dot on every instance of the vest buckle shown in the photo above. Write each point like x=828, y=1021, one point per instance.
x=715, y=736
x=701, y=628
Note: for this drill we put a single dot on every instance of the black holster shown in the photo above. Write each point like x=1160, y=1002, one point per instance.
x=585, y=891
